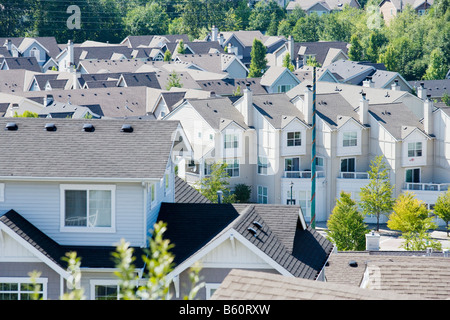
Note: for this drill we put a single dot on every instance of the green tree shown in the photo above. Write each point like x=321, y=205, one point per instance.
x=218, y=180
x=446, y=99
x=242, y=192
x=174, y=81
x=26, y=114
x=442, y=208
x=437, y=69
x=263, y=13
x=312, y=62
x=376, y=41
x=287, y=62
x=181, y=49
x=167, y=55
x=307, y=29
x=346, y=227
x=355, y=52
x=376, y=196
x=150, y=18
x=258, y=63
x=410, y=217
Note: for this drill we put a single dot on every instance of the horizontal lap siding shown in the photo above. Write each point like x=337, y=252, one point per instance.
x=39, y=203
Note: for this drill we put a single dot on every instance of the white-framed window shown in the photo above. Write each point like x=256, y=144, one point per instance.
x=262, y=194
x=412, y=175
x=350, y=139
x=304, y=200
x=2, y=192
x=348, y=165
x=292, y=164
x=210, y=289
x=319, y=162
x=104, y=289
x=232, y=167
x=263, y=164
x=88, y=207
x=294, y=139
x=284, y=88
x=21, y=288
x=34, y=52
x=231, y=141
x=414, y=149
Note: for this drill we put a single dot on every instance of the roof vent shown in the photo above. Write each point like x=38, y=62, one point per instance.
x=353, y=263
x=257, y=224
x=11, y=126
x=127, y=128
x=88, y=127
x=252, y=231
x=50, y=127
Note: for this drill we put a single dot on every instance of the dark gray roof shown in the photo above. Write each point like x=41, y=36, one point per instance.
x=319, y=48
x=225, y=87
x=436, y=88
x=351, y=72
x=171, y=98
x=147, y=79
x=12, y=81
x=144, y=40
x=42, y=79
x=91, y=256
x=302, y=252
x=99, y=52
x=203, y=47
x=334, y=109
x=49, y=43
x=184, y=193
x=26, y=63
x=69, y=152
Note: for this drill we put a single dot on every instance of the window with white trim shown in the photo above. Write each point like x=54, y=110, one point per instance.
x=86, y=207
x=263, y=164
x=294, y=139
x=414, y=149
x=22, y=288
x=104, y=290
x=210, y=289
x=232, y=167
x=231, y=141
x=350, y=139
x=262, y=194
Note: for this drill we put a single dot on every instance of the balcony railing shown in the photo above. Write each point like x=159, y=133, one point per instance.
x=302, y=174
x=427, y=186
x=354, y=175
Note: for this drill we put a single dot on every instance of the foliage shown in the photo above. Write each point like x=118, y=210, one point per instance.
x=167, y=55
x=150, y=18
x=174, y=81
x=446, y=99
x=181, y=49
x=242, y=192
x=346, y=226
x=258, y=63
x=355, y=52
x=436, y=68
x=264, y=14
x=218, y=180
x=312, y=62
x=287, y=62
x=376, y=196
x=26, y=114
x=410, y=217
x=442, y=208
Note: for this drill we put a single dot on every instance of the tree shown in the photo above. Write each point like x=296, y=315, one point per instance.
x=436, y=68
x=218, y=180
x=410, y=217
x=346, y=227
x=442, y=208
x=355, y=52
x=287, y=62
x=181, y=49
x=258, y=63
x=242, y=192
x=150, y=18
x=174, y=81
x=312, y=62
x=167, y=55
x=376, y=196
x=375, y=42
x=26, y=114
x=263, y=14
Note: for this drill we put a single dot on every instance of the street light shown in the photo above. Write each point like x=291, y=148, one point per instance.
x=291, y=184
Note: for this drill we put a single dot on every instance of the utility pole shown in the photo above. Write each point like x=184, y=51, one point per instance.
x=313, y=156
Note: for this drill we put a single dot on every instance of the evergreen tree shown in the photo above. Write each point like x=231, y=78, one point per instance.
x=287, y=62
x=174, y=81
x=437, y=68
x=167, y=55
x=258, y=64
x=355, y=52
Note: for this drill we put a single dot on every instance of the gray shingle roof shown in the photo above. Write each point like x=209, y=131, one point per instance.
x=229, y=86
x=69, y=152
x=26, y=63
x=184, y=193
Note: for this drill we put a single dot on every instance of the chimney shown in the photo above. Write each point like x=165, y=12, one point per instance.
x=219, y=196
x=214, y=33
x=297, y=63
x=247, y=109
x=70, y=53
x=308, y=104
x=363, y=110
x=422, y=91
x=395, y=86
x=75, y=75
x=368, y=83
x=372, y=241
x=428, y=107
x=8, y=45
x=221, y=39
x=291, y=47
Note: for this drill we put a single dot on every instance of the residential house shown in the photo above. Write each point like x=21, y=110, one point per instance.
x=221, y=237
x=193, y=47
x=435, y=88
x=23, y=63
x=321, y=7
x=278, y=79
x=307, y=73
x=153, y=40
x=390, y=8
x=107, y=184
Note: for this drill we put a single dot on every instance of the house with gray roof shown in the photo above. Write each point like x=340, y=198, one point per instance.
x=278, y=79
x=390, y=8
x=23, y=63
x=270, y=238
x=321, y=7
x=435, y=88
x=107, y=184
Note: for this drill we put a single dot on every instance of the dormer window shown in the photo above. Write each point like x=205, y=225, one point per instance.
x=414, y=149
x=350, y=139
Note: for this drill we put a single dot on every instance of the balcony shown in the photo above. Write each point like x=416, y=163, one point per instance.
x=353, y=175
x=427, y=186
x=302, y=174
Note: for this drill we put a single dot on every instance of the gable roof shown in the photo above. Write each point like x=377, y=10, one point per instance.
x=107, y=153
x=350, y=72
x=48, y=43
x=281, y=237
x=184, y=193
x=51, y=252
x=26, y=63
x=272, y=74
x=319, y=49
x=228, y=86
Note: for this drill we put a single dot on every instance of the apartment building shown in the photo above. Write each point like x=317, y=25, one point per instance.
x=266, y=139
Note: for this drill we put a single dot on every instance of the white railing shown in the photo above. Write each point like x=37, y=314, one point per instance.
x=302, y=174
x=427, y=186
x=354, y=175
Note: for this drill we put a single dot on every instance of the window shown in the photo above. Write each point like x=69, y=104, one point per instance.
x=232, y=167
x=415, y=149
x=104, y=290
x=207, y=168
x=21, y=288
x=304, y=200
x=210, y=289
x=348, y=165
x=262, y=194
x=87, y=206
x=350, y=139
x=2, y=192
x=319, y=161
x=292, y=164
x=294, y=139
x=284, y=88
x=231, y=141
x=413, y=175
x=263, y=164
x=152, y=193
